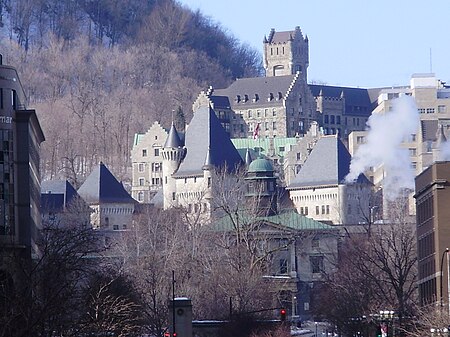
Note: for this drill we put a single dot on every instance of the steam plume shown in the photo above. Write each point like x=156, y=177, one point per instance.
x=382, y=147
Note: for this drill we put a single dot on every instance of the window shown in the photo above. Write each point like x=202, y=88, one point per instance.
x=155, y=181
x=209, y=181
x=306, y=210
x=156, y=167
x=301, y=211
x=124, y=226
x=412, y=151
x=140, y=196
x=156, y=152
x=325, y=119
x=421, y=111
x=317, y=210
x=316, y=264
x=141, y=167
x=266, y=125
x=332, y=119
x=274, y=125
x=173, y=195
x=413, y=137
x=299, y=156
x=323, y=209
x=281, y=148
x=141, y=181
x=359, y=139
x=338, y=119
x=249, y=113
x=116, y=227
x=430, y=110
x=274, y=112
x=441, y=108
x=328, y=209
x=283, y=266
x=144, y=153
x=258, y=113
x=315, y=243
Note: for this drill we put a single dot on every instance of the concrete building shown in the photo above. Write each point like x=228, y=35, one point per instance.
x=20, y=220
x=433, y=233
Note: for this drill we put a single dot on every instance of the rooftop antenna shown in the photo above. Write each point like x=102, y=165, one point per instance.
x=431, y=62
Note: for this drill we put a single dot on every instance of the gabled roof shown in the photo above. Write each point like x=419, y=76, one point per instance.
x=102, y=187
x=328, y=164
x=261, y=86
x=206, y=134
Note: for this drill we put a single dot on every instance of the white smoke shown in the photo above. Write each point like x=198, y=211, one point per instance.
x=383, y=147
x=444, y=153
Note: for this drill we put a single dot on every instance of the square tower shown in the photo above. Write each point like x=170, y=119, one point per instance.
x=286, y=53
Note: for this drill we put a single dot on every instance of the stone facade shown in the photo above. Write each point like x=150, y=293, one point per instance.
x=286, y=53
x=146, y=159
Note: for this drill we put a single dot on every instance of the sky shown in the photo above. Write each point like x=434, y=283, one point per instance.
x=356, y=43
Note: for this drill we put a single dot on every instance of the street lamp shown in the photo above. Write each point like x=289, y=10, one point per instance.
x=442, y=273
x=388, y=315
x=316, y=327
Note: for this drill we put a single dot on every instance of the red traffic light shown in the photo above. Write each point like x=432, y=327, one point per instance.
x=283, y=315
x=174, y=334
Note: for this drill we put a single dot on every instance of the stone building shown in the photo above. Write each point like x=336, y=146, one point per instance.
x=146, y=161
x=112, y=207
x=320, y=192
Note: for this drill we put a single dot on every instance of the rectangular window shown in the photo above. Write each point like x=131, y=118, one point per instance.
x=173, y=195
x=332, y=119
x=316, y=264
x=299, y=156
x=328, y=209
x=317, y=210
x=274, y=125
x=325, y=119
x=412, y=151
x=283, y=266
x=338, y=119
x=441, y=108
x=141, y=167
x=430, y=110
x=306, y=210
x=144, y=153
x=156, y=167
x=274, y=112
x=156, y=152
x=141, y=181
x=323, y=209
x=421, y=111
x=116, y=227
x=301, y=211
x=315, y=243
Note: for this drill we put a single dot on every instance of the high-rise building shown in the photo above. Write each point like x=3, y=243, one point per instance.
x=20, y=139
x=433, y=233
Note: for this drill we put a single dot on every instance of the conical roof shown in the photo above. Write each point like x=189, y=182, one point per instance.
x=206, y=134
x=173, y=139
x=102, y=187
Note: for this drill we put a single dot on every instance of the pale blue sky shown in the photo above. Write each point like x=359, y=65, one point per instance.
x=361, y=43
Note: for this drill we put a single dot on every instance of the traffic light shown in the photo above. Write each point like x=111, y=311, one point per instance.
x=283, y=315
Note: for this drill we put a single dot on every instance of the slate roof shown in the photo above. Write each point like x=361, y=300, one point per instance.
x=173, y=139
x=282, y=37
x=56, y=194
x=262, y=86
x=328, y=164
x=102, y=187
x=357, y=101
x=205, y=133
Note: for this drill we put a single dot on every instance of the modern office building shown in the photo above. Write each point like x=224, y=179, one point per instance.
x=433, y=233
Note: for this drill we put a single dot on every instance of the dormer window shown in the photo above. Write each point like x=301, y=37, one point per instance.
x=270, y=97
x=280, y=95
x=238, y=98
x=256, y=98
x=245, y=98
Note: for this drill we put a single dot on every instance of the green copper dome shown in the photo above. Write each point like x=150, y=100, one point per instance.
x=260, y=165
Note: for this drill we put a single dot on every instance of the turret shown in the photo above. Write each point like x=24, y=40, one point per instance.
x=261, y=186
x=173, y=153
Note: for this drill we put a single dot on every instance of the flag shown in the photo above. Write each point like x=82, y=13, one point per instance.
x=256, y=132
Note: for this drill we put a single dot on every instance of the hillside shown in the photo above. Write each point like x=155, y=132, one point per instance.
x=99, y=71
